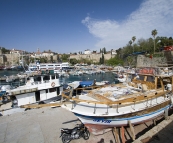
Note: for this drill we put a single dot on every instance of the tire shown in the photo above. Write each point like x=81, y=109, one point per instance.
x=5, y=98
x=65, y=138
x=86, y=135
x=41, y=102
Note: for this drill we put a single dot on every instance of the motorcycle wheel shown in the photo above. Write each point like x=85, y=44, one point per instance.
x=65, y=138
x=86, y=135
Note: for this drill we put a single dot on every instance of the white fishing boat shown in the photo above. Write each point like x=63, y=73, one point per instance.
x=44, y=89
x=122, y=77
x=123, y=104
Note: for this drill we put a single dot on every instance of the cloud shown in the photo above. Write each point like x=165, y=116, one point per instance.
x=152, y=14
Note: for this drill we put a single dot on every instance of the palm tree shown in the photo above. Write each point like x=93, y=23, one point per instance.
x=130, y=43
x=154, y=33
x=133, y=39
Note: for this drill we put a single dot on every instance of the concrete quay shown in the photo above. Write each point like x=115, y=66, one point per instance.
x=43, y=126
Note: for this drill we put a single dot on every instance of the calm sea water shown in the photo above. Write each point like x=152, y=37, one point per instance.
x=108, y=76
x=8, y=72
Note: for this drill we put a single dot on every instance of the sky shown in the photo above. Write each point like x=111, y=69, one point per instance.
x=69, y=26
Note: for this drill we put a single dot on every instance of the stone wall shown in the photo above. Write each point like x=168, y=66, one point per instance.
x=8, y=59
x=139, y=61
x=12, y=58
x=143, y=61
x=93, y=57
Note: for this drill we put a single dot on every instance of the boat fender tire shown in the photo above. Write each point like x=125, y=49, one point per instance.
x=41, y=102
x=5, y=98
x=53, y=84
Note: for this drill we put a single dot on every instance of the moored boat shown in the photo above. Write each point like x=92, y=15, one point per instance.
x=43, y=90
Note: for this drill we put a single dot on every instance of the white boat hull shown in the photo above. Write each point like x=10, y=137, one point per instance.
x=98, y=124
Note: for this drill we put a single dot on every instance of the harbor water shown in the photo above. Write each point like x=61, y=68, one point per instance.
x=107, y=76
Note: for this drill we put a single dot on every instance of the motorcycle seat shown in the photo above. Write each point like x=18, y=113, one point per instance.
x=67, y=130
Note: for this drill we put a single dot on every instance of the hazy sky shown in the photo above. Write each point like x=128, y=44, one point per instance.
x=66, y=26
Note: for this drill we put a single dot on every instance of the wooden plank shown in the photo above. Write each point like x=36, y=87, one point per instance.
x=122, y=134
x=40, y=105
x=116, y=135
x=132, y=131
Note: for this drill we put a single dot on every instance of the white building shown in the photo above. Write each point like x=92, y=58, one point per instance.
x=37, y=54
x=114, y=52
x=14, y=51
x=87, y=52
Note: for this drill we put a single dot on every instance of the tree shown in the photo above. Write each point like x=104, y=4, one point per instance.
x=65, y=57
x=100, y=51
x=115, y=61
x=129, y=60
x=73, y=61
x=51, y=59
x=104, y=50
x=133, y=40
x=154, y=33
x=102, y=59
x=130, y=43
x=4, y=50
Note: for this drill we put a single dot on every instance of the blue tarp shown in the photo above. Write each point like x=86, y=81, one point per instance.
x=86, y=83
x=2, y=93
x=138, y=53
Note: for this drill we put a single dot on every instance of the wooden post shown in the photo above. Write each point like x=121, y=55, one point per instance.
x=156, y=78
x=161, y=82
x=166, y=114
x=132, y=131
x=145, y=78
x=154, y=122
x=71, y=92
x=116, y=135
x=122, y=134
x=172, y=83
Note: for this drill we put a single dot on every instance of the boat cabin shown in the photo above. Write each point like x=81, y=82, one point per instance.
x=44, y=88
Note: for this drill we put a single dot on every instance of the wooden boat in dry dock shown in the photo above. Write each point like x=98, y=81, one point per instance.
x=124, y=104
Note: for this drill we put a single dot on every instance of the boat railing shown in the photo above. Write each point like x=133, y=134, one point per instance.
x=149, y=98
x=126, y=101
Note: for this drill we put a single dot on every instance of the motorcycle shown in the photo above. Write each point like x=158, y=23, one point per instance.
x=77, y=132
